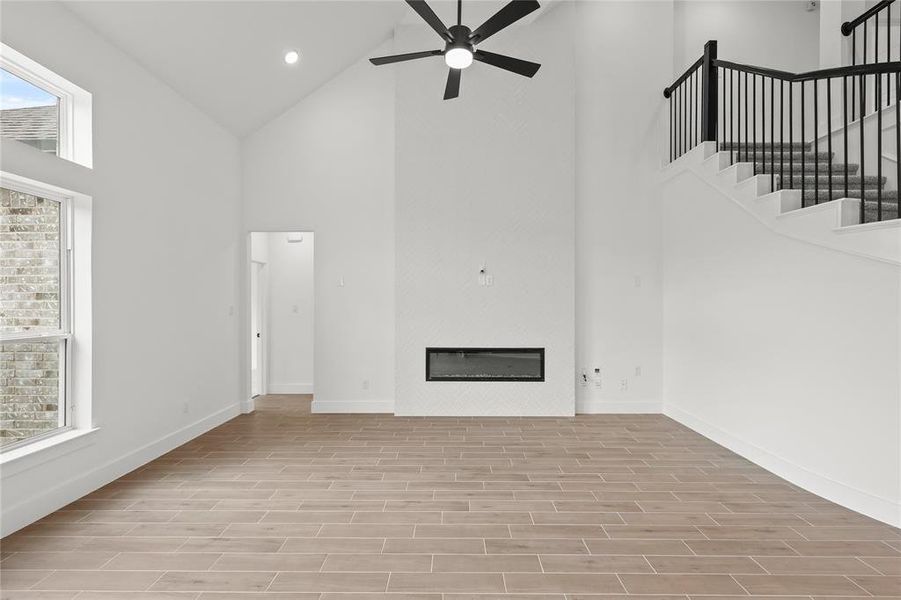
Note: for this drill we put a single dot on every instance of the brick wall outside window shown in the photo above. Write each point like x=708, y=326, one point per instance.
x=29, y=301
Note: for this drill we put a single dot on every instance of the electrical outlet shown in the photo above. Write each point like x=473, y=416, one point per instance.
x=624, y=385
x=583, y=379
x=638, y=371
x=365, y=384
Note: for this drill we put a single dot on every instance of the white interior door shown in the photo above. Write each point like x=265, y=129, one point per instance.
x=256, y=329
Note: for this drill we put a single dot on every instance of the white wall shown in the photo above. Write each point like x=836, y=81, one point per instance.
x=779, y=34
x=166, y=256
x=487, y=178
x=781, y=350
x=618, y=103
x=327, y=166
x=290, y=328
x=259, y=246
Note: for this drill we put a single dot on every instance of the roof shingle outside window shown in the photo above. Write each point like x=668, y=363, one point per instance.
x=36, y=126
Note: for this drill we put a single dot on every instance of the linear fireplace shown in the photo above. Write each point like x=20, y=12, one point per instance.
x=484, y=364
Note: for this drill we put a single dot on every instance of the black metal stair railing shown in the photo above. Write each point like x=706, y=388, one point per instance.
x=791, y=126
x=866, y=49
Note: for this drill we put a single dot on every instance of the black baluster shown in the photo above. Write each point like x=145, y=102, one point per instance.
x=864, y=51
x=877, y=100
x=791, y=135
x=746, y=116
x=772, y=136
x=862, y=153
x=803, y=148
x=754, y=118
x=816, y=143
x=863, y=81
x=737, y=113
x=763, y=125
x=781, y=134
x=691, y=110
x=853, y=80
x=845, y=125
x=731, y=118
x=829, y=129
x=721, y=137
x=888, y=52
x=681, y=119
x=675, y=100
x=879, y=148
x=898, y=143
x=678, y=122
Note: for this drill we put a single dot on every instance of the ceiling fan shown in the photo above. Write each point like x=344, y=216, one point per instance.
x=460, y=42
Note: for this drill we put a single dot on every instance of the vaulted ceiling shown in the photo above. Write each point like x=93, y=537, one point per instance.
x=227, y=57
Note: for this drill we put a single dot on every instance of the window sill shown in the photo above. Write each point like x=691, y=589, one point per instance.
x=27, y=457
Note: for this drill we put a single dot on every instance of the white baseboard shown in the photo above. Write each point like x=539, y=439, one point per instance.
x=620, y=407
x=352, y=406
x=883, y=509
x=289, y=388
x=18, y=516
x=248, y=406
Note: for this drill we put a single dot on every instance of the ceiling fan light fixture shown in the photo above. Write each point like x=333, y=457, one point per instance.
x=460, y=41
x=458, y=58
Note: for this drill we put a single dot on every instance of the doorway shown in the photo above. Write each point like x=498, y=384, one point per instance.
x=257, y=286
x=281, y=316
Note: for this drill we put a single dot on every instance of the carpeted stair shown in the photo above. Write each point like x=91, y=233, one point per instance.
x=784, y=161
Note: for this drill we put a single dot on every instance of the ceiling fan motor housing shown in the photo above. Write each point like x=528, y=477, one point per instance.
x=459, y=38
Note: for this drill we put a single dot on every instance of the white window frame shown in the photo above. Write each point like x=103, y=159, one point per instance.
x=63, y=335
x=75, y=137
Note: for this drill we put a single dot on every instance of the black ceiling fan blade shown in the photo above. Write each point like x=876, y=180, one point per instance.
x=515, y=65
x=429, y=16
x=508, y=15
x=452, y=89
x=387, y=60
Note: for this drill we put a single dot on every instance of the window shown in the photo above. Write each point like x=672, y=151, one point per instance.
x=44, y=110
x=28, y=113
x=35, y=314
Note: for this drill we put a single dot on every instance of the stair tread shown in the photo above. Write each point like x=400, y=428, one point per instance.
x=823, y=179
x=788, y=156
x=796, y=170
x=870, y=195
x=751, y=145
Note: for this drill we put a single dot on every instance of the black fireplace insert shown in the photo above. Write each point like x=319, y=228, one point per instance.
x=484, y=364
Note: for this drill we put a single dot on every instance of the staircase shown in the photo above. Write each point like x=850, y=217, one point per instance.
x=810, y=173
x=755, y=190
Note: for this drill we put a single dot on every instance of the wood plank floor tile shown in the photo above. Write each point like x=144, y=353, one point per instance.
x=282, y=504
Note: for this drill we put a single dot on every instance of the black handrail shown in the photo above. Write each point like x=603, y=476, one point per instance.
x=747, y=111
x=849, y=26
x=833, y=73
x=667, y=91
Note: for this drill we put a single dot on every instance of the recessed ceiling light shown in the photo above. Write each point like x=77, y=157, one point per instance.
x=291, y=57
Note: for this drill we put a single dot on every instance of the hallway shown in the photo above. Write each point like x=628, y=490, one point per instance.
x=330, y=506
